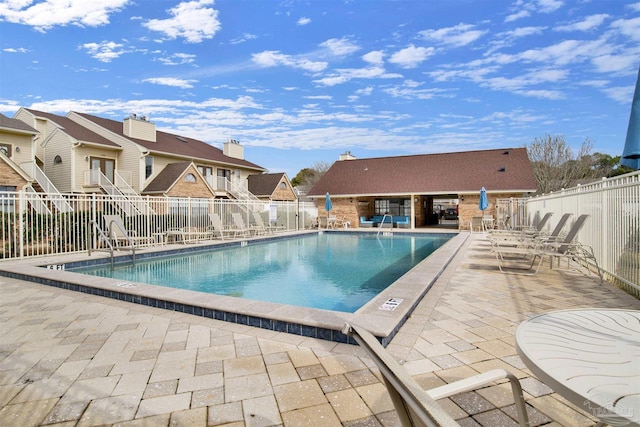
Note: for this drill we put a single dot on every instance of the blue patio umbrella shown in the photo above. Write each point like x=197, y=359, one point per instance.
x=631, y=152
x=484, y=200
x=327, y=203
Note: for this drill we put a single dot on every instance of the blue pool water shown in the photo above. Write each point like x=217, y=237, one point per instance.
x=333, y=271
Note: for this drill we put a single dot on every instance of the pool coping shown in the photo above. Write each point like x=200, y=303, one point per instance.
x=383, y=315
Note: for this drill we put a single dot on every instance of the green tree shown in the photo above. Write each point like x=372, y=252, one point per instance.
x=555, y=166
x=309, y=176
x=607, y=166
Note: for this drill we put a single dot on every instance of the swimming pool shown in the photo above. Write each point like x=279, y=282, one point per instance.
x=329, y=271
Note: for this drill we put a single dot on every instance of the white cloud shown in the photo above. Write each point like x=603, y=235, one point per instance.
x=243, y=38
x=411, y=57
x=271, y=58
x=50, y=13
x=628, y=27
x=303, y=21
x=620, y=94
x=15, y=50
x=341, y=46
x=321, y=97
x=459, y=35
x=366, y=91
x=634, y=6
x=178, y=59
x=171, y=81
x=341, y=76
x=518, y=15
x=375, y=57
x=586, y=24
x=104, y=51
x=192, y=20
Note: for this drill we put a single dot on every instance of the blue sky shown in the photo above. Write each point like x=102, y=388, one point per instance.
x=299, y=82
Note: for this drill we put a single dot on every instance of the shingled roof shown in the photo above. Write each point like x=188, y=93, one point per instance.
x=503, y=170
x=166, y=178
x=15, y=125
x=265, y=184
x=172, y=144
x=73, y=129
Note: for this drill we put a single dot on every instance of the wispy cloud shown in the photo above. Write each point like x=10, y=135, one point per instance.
x=178, y=59
x=272, y=58
x=303, y=21
x=459, y=35
x=585, y=24
x=192, y=20
x=15, y=50
x=243, y=38
x=171, y=81
x=50, y=13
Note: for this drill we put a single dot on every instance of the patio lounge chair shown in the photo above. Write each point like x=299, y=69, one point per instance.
x=121, y=237
x=240, y=228
x=261, y=225
x=188, y=234
x=416, y=406
x=218, y=227
x=528, y=239
x=562, y=249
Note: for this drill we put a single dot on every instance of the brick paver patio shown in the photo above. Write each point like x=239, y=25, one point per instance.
x=71, y=359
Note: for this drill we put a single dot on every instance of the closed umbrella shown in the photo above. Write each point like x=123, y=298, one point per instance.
x=631, y=152
x=484, y=200
x=327, y=203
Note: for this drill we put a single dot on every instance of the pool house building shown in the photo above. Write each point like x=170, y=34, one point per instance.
x=415, y=189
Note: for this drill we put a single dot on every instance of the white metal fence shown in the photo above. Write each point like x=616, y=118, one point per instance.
x=26, y=231
x=613, y=227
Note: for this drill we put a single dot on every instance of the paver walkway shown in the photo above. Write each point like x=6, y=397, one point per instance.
x=71, y=359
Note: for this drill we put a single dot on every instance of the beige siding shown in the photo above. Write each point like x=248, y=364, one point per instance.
x=20, y=141
x=129, y=159
x=61, y=174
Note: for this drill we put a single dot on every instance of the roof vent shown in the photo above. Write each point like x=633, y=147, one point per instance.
x=505, y=152
x=502, y=169
x=181, y=139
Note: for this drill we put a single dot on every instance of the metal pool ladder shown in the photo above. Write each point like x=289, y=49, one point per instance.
x=382, y=223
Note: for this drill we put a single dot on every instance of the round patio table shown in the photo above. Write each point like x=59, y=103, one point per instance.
x=591, y=357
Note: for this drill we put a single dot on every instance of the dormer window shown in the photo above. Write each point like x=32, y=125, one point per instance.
x=189, y=178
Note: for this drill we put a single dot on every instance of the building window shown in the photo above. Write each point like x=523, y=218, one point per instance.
x=395, y=207
x=7, y=201
x=6, y=149
x=57, y=159
x=190, y=177
x=283, y=185
x=148, y=166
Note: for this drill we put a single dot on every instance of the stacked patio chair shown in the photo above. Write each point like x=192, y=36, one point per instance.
x=538, y=249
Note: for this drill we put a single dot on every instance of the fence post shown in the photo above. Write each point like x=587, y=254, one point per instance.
x=22, y=211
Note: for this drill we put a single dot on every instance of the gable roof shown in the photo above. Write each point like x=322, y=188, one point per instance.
x=264, y=184
x=502, y=170
x=15, y=125
x=171, y=144
x=73, y=129
x=166, y=178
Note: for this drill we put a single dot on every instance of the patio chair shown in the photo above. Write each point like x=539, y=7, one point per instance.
x=261, y=225
x=121, y=237
x=529, y=239
x=240, y=228
x=476, y=224
x=218, y=227
x=419, y=407
x=188, y=234
x=557, y=249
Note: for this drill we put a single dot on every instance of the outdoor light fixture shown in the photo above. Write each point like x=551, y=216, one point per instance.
x=462, y=197
x=415, y=200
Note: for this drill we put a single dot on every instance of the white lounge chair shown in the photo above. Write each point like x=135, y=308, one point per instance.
x=528, y=239
x=416, y=406
x=240, y=229
x=261, y=225
x=565, y=248
x=218, y=227
x=121, y=237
